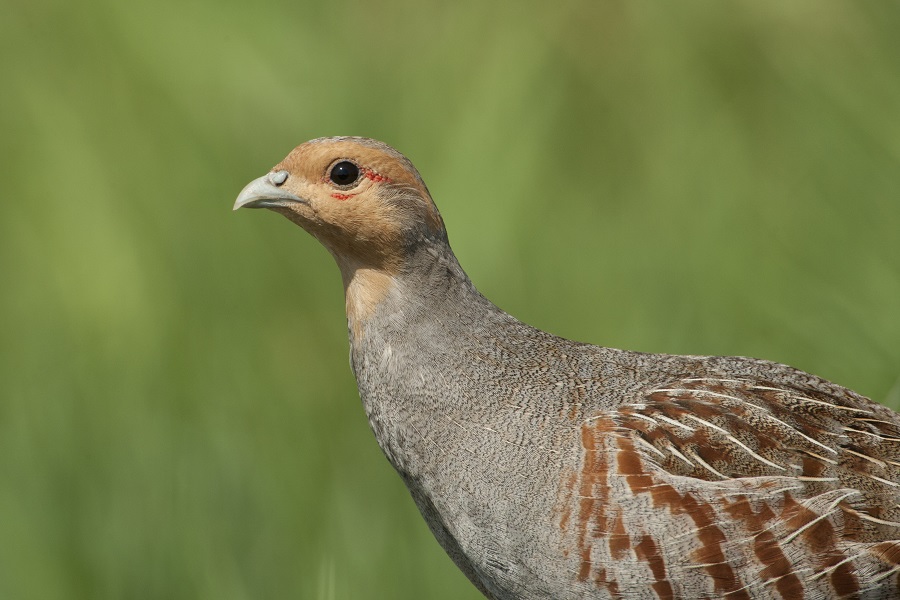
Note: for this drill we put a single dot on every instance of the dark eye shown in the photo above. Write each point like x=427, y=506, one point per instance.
x=344, y=173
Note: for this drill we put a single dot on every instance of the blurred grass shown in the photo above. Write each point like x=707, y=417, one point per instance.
x=178, y=419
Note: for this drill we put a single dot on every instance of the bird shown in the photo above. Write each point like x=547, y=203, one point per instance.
x=550, y=468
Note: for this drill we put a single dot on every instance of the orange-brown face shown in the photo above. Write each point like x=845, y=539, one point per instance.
x=361, y=198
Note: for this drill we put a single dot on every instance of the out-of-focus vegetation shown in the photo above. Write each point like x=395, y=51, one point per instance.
x=177, y=417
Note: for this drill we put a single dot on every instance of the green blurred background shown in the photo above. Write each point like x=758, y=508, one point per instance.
x=178, y=419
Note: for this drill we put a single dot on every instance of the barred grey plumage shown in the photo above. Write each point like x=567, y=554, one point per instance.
x=548, y=468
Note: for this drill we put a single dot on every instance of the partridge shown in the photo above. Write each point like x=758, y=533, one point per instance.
x=548, y=468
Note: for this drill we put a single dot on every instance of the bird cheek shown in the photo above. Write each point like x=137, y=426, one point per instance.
x=327, y=210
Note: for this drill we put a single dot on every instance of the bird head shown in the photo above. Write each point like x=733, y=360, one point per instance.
x=366, y=203
x=363, y=200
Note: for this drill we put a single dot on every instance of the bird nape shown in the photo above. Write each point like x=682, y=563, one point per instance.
x=548, y=468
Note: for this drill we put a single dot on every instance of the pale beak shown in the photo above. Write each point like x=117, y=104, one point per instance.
x=266, y=192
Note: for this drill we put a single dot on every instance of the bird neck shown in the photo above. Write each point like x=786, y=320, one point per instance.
x=423, y=284
x=403, y=346
x=365, y=289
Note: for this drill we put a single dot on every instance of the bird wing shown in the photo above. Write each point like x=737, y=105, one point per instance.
x=741, y=485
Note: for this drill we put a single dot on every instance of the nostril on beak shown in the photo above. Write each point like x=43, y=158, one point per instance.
x=278, y=178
